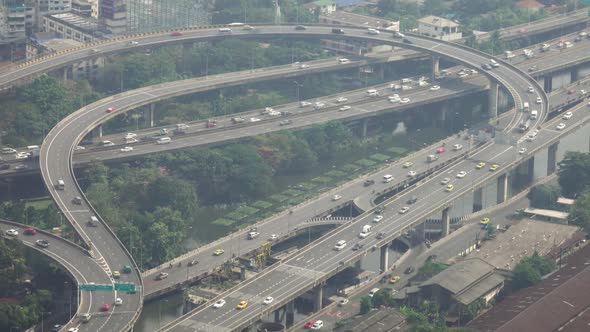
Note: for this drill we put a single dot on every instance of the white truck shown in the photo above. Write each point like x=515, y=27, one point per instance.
x=365, y=231
x=431, y=157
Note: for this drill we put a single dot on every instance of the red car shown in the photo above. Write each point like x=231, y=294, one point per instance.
x=110, y=110
x=30, y=231
x=440, y=150
x=176, y=34
x=105, y=307
x=211, y=124
x=309, y=324
x=571, y=91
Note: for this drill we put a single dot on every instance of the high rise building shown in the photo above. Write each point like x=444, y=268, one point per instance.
x=47, y=7
x=150, y=15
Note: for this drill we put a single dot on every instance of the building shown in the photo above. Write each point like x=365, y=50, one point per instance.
x=49, y=42
x=439, y=28
x=460, y=285
x=12, y=19
x=47, y=7
x=323, y=7
x=113, y=15
x=82, y=8
x=71, y=26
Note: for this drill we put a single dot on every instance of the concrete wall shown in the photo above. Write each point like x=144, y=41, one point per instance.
x=561, y=79
x=490, y=194
x=583, y=70
x=578, y=141
x=540, y=167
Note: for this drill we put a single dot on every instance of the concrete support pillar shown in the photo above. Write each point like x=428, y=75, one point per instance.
x=278, y=316
x=319, y=298
x=574, y=74
x=548, y=83
x=435, y=67
x=502, y=188
x=493, y=100
x=290, y=314
x=384, y=258
x=364, y=126
x=97, y=132
x=552, y=158
x=445, y=222
x=420, y=231
x=65, y=73
x=381, y=71
x=152, y=110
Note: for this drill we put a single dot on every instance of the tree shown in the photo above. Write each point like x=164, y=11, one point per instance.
x=433, y=7
x=524, y=275
x=574, y=173
x=167, y=191
x=382, y=298
x=366, y=305
x=580, y=212
x=544, y=196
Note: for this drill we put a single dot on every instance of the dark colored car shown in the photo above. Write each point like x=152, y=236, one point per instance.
x=337, y=30
x=407, y=41
x=176, y=34
x=30, y=231
x=300, y=27
x=379, y=209
x=486, y=66
x=380, y=235
x=412, y=200
x=4, y=166
x=368, y=183
x=357, y=246
x=42, y=243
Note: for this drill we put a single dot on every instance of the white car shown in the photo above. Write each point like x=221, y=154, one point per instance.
x=127, y=149
x=336, y=197
x=343, y=302
x=522, y=150
x=118, y=301
x=457, y=147
x=583, y=92
x=340, y=245
x=317, y=325
x=560, y=126
x=404, y=210
x=73, y=329
x=130, y=135
x=404, y=100
x=268, y=300
x=411, y=174
x=12, y=232
x=79, y=147
x=473, y=71
x=531, y=89
x=303, y=66
x=445, y=181
x=219, y=303
x=342, y=100
x=393, y=99
x=344, y=108
x=435, y=87
x=461, y=174
x=568, y=115
x=273, y=237
x=304, y=104
x=21, y=155
x=377, y=218
x=539, y=100
x=254, y=119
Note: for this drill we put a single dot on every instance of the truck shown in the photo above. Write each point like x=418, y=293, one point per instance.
x=509, y=54
x=545, y=47
x=431, y=157
x=237, y=120
x=524, y=126
x=365, y=231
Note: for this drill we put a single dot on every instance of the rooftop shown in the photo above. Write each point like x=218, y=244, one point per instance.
x=376, y=321
x=565, y=201
x=438, y=21
x=85, y=24
x=547, y=213
x=59, y=44
x=558, y=303
x=521, y=240
x=348, y=18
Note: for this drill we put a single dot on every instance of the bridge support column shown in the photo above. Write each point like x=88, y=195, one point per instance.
x=445, y=222
x=552, y=158
x=548, y=83
x=319, y=297
x=364, y=126
x=290, y=314
x=435, y=67
x=503, y=188
x=493, y=100
x=152, y=110
x=97, y=132
x=574, y=74
x=278, y=316
x=65, y=73
x=381, y=71
x=384, y=258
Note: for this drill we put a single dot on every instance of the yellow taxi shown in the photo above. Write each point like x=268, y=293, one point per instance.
x=394, y=279
x=484, y=221
x=116, y=274
x=494, y=167
x=408, y=164
x=449, y=188
x=480, y=165
x=242, y=305
x=218, y=252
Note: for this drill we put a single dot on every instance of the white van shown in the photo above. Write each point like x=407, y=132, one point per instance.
x=60, y=184
x=387, y=178
x=372, y=93
x=86, y=318
x=33, y=147
x=406, y=80
x=534, y=114
x=372, y=31
x=340, y=245
x=224, y=30
x=365, y=231
x=525, y=107
x=163, y=140
x=343, y=60
x=373, y=291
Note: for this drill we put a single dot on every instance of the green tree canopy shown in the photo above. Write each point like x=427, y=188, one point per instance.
x=574, y=173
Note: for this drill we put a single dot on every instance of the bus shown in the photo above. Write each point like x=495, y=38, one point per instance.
x=524, y=126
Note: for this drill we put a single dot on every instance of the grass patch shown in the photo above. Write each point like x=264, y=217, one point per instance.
x=292, y=193
x=279, y=198
x=397, y=150
x=379, y=157
x=262, y=205
x=246, y=210
x=322, y=179
x=306, y=186
x=350, y=168
x=235, y=215
x=366, y=163
x=336, y=174
x=297, y=200
x=223, y=222
x=430, y=269
x=39, y=204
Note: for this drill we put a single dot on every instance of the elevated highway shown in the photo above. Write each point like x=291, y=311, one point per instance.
x=58, y=147
x=308, y=269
